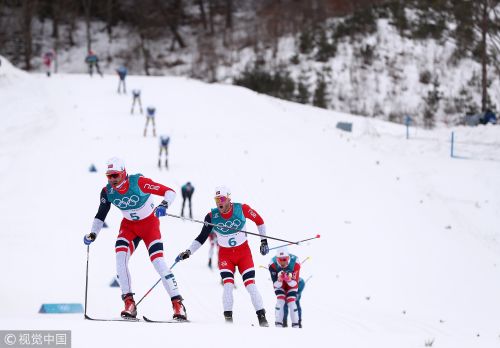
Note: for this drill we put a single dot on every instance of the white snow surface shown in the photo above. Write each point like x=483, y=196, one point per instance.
x=409, y=250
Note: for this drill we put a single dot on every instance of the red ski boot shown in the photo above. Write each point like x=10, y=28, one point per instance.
x=130, y=310
x=179, y=309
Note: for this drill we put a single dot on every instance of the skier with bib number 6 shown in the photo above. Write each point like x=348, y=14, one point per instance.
x=132, y=195
x=234, y=250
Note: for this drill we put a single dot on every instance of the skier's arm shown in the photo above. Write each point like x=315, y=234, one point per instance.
x=198, y=242
x=274, y=276
x=294, y=281
x=102, y=212
x=203, y=236
x=255, y=217
x=149, y=186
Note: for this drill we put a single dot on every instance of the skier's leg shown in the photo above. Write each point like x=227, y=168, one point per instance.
x=299, y=308
x=280, y=304
x=190, y=210
x=125, y=245
x=98, y=69
x=146, y=126
x=159, y=157
x=294, y=315
x=150, y=232
x=247, y=271
x=155, y=250
x=285, y=316
x=183, y=202
x=227, y=275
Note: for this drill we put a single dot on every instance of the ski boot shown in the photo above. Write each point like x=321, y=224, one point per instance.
x=179, y=309
x=261, y=316
x=130, y=310
x=228, y=316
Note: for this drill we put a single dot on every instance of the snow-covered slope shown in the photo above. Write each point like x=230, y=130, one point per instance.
x=408, y=250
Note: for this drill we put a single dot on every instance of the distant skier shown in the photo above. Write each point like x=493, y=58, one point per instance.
x=164, y=141
x=122, y=74
x=132, y=195
x=285, y=274
x=93, y=62
x=234, y=250
x=187, y=192
x=47, y=58
x=136, y=95
x=150, y=117
x=213, y=245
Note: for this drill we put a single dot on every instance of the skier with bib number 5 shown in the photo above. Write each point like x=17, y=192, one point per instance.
x=234, y=250
x=132, y=195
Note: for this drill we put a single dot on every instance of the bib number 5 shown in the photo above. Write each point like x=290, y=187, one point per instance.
x=134, y=216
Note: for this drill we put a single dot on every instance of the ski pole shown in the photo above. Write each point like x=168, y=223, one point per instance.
x=231, y=228
x=86, y=281
x=159, y=280
x=308, y=278
x=297, y=243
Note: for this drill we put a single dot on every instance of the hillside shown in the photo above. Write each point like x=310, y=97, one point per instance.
x=365, y=63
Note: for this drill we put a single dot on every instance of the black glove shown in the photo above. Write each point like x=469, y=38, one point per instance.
x=182, y=256
x=264, y=248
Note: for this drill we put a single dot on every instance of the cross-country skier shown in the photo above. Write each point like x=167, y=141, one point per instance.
x=234, y=250
x=122, y=74
x=136, y=95
x=164, y=141
x=92, y=61
x=187, y=192
x=285, y=270
x=132, y=195
x=150, y=116
x=48, y=57
x=213, y=245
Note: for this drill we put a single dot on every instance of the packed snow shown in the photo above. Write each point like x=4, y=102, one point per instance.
x=409, y=253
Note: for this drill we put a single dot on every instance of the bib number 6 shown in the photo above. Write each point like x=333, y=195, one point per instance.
x=232, y=242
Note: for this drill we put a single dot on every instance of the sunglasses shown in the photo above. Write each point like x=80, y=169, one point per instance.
x=221, y=199
x=283, y=259
x=113, y=175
